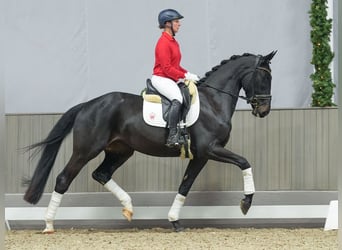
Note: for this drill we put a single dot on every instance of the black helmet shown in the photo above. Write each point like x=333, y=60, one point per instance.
x=168, y=15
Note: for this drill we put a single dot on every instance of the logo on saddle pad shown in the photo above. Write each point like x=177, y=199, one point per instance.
x=153, y=108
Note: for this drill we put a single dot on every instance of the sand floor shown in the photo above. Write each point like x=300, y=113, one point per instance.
x=160, y=238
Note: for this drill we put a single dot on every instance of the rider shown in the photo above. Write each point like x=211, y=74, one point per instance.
x=167, y=72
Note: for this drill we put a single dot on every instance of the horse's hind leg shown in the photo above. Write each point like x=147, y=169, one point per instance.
x=194, y=168
x=63, y=182
x=103, y=174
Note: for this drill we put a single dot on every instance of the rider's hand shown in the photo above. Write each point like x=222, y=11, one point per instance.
x=191, y=77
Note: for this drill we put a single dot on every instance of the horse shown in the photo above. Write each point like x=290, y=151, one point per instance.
x=113, y=123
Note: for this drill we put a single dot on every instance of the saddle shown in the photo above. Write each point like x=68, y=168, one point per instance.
x=151, y=94
x=154, y=102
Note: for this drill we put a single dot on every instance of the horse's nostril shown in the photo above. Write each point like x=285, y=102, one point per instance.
x=264, y=113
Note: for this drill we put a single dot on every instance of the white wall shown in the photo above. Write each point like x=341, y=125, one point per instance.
x=2, y=138
x=59, y=53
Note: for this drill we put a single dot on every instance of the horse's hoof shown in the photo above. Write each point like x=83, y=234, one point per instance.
x=176, y=226
x=127, y=214
x=246, y=203
x=244, y=206
x=48, y=231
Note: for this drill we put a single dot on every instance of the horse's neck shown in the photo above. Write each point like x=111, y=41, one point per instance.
x=229, y=101
x=223, y=99
x=231, y=86
x=226, y=83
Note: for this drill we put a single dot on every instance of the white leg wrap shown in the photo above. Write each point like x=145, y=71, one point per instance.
x=176, y=207
x=119, y=193
x=50, y=214
x=248, y=181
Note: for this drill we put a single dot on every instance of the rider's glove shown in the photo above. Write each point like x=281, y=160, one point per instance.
x=191, y=77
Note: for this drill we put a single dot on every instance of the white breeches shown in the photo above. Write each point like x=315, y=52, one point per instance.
x=167, y=87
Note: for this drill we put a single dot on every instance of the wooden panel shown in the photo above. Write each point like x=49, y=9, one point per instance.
x=285, y=152
x=297, y=152
x=260, y=168
x=332, y=162
x=288, y=150
x=322, y=138
x=12, y=171
x=309, y=148
x=273, y=151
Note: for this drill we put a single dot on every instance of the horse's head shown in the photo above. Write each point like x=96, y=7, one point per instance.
x=257, y=85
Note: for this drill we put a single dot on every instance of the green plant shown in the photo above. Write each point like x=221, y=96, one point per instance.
x=323, y=87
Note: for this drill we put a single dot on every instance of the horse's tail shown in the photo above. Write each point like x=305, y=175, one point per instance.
x=50, y=147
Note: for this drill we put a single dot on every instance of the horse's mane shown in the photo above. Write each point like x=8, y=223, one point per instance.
x=233, y=57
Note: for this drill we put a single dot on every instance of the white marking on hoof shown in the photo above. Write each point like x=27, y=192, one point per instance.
x=48, y=227
x=127, y=214
x=48, y=231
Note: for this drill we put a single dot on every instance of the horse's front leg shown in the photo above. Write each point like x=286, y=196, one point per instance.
x=193, y=169
x=218, y=153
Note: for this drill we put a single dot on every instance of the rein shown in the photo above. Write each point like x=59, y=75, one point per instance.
x=225, y=92
x=248, y=100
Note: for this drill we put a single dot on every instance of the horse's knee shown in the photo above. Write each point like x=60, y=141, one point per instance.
x=101, y=177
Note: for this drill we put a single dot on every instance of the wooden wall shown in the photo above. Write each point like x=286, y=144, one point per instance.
x=289, y=150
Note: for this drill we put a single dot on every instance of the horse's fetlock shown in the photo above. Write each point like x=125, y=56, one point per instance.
x=249, y=197
x=245, y=164
x=100, y=177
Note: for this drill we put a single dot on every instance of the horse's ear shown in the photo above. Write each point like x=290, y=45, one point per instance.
x=269, y=57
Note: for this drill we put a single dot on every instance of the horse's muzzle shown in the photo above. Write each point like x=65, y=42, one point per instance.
x=261, y=105
x=261, y=110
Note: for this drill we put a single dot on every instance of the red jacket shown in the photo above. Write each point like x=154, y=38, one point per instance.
x=167, y=58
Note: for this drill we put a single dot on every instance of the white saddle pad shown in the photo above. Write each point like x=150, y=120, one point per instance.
x=153, y=114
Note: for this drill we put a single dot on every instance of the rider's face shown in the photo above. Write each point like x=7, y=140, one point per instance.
x=175, y=25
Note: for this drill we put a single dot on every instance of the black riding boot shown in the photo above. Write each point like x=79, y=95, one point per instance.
x=174, y=116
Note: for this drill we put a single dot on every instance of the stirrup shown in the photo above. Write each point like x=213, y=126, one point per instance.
x=173, y=142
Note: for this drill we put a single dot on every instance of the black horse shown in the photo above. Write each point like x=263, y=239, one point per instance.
x=113, y=123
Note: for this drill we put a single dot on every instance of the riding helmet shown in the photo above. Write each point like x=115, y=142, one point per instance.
x=167, y=16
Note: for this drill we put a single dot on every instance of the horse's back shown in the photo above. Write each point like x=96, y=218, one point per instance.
x=106, y=111
x=113, y=100
x=114, y=97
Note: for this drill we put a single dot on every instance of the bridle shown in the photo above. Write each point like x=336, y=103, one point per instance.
x=254, y=99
